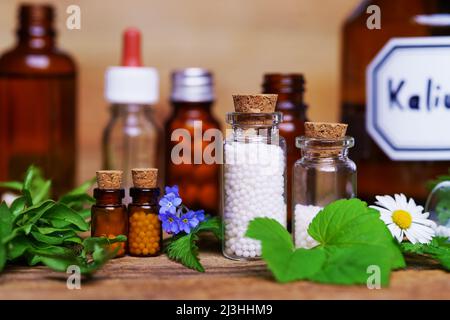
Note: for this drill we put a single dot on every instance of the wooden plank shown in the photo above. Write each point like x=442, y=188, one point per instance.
x=159, y=278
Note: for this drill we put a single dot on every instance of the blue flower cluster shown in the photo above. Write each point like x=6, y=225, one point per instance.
x=175, y=216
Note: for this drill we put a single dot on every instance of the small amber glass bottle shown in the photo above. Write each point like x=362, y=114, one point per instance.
x=108, y=215
x=145, y=235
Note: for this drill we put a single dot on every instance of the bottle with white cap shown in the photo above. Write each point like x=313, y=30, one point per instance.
x=131, y=137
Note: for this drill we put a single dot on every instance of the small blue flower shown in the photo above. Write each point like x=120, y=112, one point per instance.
x=169, y=203
x=173, y=190
x=170, y=223
x=200, y=215
x=188, y=221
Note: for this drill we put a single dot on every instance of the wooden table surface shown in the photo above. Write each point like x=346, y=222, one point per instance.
x=160, y=278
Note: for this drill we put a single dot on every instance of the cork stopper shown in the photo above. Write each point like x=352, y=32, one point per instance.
x=325, y=130
x=144, y=177
x=109, y=179
x=255, y=103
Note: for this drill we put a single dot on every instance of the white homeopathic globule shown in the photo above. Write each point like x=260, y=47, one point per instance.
x=253, y=187
x=303, y=216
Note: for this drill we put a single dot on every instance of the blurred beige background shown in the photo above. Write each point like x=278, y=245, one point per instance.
x=237, y=39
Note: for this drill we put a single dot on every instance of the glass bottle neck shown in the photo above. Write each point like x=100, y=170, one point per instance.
x=109, y=197
x=244, y=133
x=325, y=154
x=36, y=27
x=144, y=196
x=192, y=109
x=124, y=110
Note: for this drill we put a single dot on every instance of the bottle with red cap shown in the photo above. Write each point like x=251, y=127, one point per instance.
x=131, y=136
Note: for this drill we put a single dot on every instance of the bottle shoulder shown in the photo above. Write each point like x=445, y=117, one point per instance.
x=28, y=61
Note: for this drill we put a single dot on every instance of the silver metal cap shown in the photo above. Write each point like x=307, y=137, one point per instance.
x=192, y=85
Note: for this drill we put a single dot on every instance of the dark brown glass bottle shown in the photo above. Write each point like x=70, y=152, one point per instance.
x=192, y=99
x=145, y=234
x=109, y=217
x=37, y=102
x=290, y=89
x=378, y=174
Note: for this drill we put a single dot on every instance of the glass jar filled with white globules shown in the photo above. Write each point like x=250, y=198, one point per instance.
x=254, y=173
x=323, y=174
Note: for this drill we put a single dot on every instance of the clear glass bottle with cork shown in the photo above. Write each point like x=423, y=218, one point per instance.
x=109, y=216
x=323, y=174
x=254, y=172
x=145, y=234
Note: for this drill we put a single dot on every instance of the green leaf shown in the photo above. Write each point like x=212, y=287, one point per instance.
x=3, y=256
x=351, y=239
x=6, y=221
x=80, y=190
x=18, y=205
x=18, y=246
x=350, y=222
x=213, y=225
x=35, y=188
x=342, y=268
x=185, y=250
x=183, y=247
x=286, y=263
x=61, y=216
x=32, y=214
x=438, y=249
x=13, y=185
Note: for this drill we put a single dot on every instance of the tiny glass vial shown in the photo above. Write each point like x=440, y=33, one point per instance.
x=108, y=215
x=254, y=173
x=145, y=234
x=323, y=174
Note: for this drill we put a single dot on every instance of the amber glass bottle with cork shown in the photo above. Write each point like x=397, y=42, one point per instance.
x=37, y=102
x=192, y=99
x=145, y=234
x=109, y=216
x=290, y=88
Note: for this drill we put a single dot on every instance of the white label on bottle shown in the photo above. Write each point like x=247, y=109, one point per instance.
x=408, y=98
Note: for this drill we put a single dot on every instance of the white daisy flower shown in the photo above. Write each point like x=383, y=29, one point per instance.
x=405, y=219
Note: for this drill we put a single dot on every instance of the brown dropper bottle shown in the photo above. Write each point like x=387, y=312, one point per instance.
x=290, y=88
x=145, y=234
x=37, y=102
x=108, y=215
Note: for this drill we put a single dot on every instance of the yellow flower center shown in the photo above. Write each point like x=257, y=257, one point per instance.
x=402, y=218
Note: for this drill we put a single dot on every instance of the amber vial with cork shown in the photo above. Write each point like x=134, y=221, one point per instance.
x=145, y=234
x=108, y=215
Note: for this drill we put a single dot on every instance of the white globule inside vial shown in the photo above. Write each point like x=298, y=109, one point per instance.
x=253, y=187
x=303, y=216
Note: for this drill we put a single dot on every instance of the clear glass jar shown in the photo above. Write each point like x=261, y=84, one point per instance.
x=438, y=206
x=323, y=174
x=254, y=179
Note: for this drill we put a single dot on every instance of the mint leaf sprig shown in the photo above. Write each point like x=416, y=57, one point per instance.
x=38, y=230
x=351, y=238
